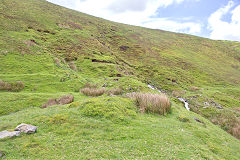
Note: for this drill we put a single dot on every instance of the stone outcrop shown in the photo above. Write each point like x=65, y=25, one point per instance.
x=26, y=128
x=8, y=134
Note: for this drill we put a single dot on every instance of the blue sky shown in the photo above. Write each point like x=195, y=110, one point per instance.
x=215, y=19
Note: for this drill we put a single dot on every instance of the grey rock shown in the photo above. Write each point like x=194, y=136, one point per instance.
x=206, y=104
x=198, y=120
x=5, y=134
x=219, y=107
x=26, y=128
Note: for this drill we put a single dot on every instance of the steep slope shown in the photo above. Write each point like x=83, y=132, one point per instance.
x=55, y=51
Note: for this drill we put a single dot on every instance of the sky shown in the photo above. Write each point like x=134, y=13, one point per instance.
x=215, y=19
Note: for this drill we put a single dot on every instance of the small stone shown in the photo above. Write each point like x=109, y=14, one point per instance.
x=26, y=128
x=5, y=134
x=206, y=103
x=198, y=120
x=219, y=107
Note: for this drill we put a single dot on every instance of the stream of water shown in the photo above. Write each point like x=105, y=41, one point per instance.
x=186, y=104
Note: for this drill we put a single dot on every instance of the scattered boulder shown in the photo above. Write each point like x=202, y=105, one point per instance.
x=123, y=48
x=119, y=75
x=206, y=104
x=219, y=107
x=61, y=101
x=5, y=134
x=198, y=120
x=99, y=61
x=26, y=128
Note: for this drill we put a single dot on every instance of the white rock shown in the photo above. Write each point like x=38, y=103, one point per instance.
x=26, y=128
x=5, y=134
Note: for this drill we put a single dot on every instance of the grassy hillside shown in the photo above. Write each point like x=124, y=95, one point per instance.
x=55, y=51
x=68, y=132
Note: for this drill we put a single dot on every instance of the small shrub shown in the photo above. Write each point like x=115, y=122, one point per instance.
x=183, y=118
x=153, y=103
x=74, y=105
x=58, y=119
x=93, y=91
x=117, y=109
x=115, y=91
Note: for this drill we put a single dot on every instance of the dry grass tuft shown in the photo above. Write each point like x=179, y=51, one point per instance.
x=72, y=66
x=93, y=91
x=193, y=88
x=14, y=86
x=63, y=61
x=115, y=91
x=152, y=103
x=90, y=85
x=178, y=93
x=57, y=61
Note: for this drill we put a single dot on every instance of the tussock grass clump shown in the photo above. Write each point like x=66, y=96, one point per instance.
x=152, y=103
x=57, y=61
x=115, y=91
x=193, y=88
x=93, y=91
x=178, y=93
x=13, y=86
x=72, y=66
x=235, y=131
x=90, y=85
x=90, y=89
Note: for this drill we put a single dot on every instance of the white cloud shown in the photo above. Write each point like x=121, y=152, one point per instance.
x=165, y=24
x=133, y=12
x=223, y=30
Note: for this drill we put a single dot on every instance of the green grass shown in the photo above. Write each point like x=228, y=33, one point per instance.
x=34, y=32
x=68, y=133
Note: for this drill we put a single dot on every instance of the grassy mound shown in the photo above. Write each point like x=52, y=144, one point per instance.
x=113, y=108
